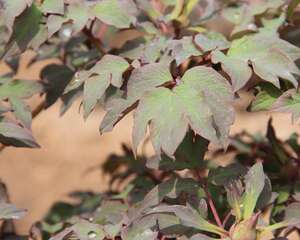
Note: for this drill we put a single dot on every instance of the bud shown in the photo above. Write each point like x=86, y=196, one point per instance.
x=245, y=230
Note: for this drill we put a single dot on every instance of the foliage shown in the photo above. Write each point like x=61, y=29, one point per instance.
x=179, y=75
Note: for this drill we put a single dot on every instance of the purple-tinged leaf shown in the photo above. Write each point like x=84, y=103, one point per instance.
x=202, y=100
x=12, y=134
x=267, y=55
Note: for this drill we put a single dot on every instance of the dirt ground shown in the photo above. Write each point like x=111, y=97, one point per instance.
x=36, y=178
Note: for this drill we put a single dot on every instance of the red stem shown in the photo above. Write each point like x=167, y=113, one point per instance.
x=212, y=207
x=210, y=200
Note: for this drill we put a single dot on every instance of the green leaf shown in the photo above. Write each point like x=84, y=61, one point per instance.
x=288, y=102
x=108, y=70
x=11, y=134
x=202, y=100
x=265, y=98
x=25, y=29
x=53, y=6
x=120, y=14
x=9, y=211
x=254, y=185
x=21, y=111
x=12, y=9
x=19, y=89
x=265, y=54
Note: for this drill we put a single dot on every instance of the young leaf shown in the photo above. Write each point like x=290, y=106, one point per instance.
x=265, y=54
x=202, y=100
x=11, y=134
x=234, y=192
x=255, y=182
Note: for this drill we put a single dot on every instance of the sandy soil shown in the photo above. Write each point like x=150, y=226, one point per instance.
x=70, y=146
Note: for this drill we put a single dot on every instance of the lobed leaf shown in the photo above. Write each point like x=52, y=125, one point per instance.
x=267, y=56
x=108, y=71
x=141, y=81
x=202, y=100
